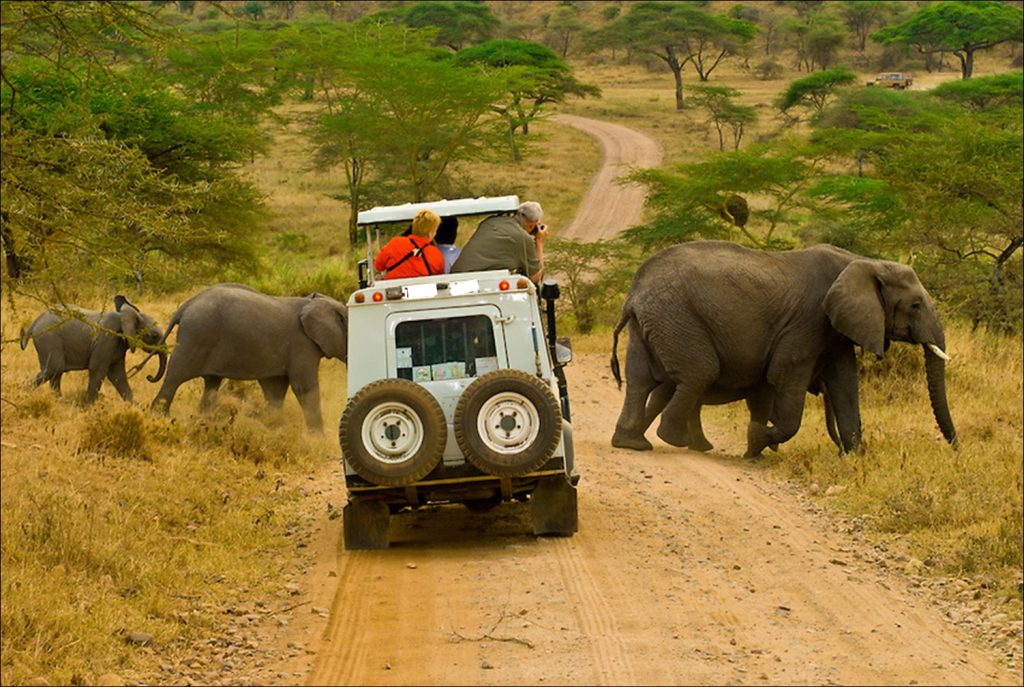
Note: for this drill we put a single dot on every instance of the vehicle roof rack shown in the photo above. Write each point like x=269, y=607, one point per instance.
x=444, y=208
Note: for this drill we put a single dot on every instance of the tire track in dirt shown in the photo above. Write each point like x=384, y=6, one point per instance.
x=596, y=620
x=344, y=631
x=609, y=207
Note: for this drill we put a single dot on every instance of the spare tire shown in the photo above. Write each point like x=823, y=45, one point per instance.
x=507, y=423
x=393, y=432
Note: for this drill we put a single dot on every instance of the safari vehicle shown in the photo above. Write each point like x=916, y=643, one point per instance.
x=456, y=393
x=897, y=80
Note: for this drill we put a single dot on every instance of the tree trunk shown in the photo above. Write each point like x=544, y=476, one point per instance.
x=677, y=72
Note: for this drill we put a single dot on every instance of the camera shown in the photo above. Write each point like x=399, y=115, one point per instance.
x=538, y=228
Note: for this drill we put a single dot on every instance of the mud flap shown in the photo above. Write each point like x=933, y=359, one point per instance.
x=553, y=507
x=365, y=525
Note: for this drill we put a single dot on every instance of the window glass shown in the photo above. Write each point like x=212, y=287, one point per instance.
x=450, y=348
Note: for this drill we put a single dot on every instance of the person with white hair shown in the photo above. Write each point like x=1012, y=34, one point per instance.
x=512, y=242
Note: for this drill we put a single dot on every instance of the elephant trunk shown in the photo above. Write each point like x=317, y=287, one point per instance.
x=160, y=370
x=935, y=369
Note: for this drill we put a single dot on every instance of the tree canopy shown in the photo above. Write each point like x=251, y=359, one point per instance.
x=960, y=28
x=458, y=22
x=678, y=33
x=113, y=167
x=534, y=76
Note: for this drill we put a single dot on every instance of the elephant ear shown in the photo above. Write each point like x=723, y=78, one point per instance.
x=129, y=323
x=325, y=321
x=854, y=306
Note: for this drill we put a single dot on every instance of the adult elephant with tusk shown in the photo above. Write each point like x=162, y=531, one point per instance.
x=231, y=331
x=718, y=322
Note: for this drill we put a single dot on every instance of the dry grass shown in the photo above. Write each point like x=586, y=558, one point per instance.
x=115, y=520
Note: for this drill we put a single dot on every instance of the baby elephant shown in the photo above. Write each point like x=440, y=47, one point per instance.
x=77, y=339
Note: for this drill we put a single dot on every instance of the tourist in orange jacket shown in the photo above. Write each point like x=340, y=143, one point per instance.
x=414, y=255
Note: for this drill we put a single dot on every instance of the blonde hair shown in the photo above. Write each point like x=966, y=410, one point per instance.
x=425, y=223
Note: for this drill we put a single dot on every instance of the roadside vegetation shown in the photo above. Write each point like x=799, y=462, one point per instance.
x=152, y=149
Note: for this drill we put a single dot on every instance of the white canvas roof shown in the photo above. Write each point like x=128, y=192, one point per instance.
x=459, y=206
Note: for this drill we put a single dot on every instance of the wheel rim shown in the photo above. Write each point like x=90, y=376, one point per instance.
x=392, y=432
x=508, y=423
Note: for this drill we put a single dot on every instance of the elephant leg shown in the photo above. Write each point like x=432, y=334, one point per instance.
x=274, y=390
x=640, y=382
x=309, y=398
x=842, y=398
x=657, y=401
x=96, y=376
x=695, y=432
x=787, y=412
x=210, y=385
x=679, y=415
x=759, y=403
x=630, y=427
x=119, y=378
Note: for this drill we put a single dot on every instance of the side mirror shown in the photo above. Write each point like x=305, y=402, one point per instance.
x=563, y=351
x=549, y=290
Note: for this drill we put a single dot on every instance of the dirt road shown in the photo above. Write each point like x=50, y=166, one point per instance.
x=687, y=569
x=610, y=207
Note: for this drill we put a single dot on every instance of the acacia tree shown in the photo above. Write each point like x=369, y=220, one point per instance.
x=815, y=90
x=696, y=200
x=943, y=182
x=863, y=16
x=534, y=76
x=111, y=168
x=457, y=22
x=394, y=112
x=724, y=113
x=961, y=28
x=678, y=33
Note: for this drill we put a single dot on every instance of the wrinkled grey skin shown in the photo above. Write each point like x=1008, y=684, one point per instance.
x=722, y=322
x=79, y=339
x=230, y=331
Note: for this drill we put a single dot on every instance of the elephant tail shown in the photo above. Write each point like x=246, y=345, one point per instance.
x=24, y=336
x=627, y=314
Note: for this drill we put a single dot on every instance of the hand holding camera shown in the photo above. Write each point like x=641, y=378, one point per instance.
x=539, y=231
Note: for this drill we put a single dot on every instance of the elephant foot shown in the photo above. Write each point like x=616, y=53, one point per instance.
x=701, y=444
x=758, y=438
x=673, y=436
x=625, y=440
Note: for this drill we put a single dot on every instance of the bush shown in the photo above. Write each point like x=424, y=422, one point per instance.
x=119, y=433
x=769, y=70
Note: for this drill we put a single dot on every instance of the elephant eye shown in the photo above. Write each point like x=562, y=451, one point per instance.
x=916, y=305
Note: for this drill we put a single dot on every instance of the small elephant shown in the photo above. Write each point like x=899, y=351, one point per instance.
x=230, y=331
x=716, y=320
x=76, y=339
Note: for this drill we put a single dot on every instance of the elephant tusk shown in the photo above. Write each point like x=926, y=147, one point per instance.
x=937, y=351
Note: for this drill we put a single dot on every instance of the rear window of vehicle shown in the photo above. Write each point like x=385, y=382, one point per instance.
x=449, y=348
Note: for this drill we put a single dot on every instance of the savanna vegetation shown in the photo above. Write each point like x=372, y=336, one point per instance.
x=152, y=148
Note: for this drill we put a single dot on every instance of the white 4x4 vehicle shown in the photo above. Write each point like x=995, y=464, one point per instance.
x=455, y=392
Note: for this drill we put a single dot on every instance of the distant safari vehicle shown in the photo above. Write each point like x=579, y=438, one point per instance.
x=897, y=80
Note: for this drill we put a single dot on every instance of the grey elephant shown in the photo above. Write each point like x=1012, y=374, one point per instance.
x=231, y=331
x=721, y=322
x=69, y=339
